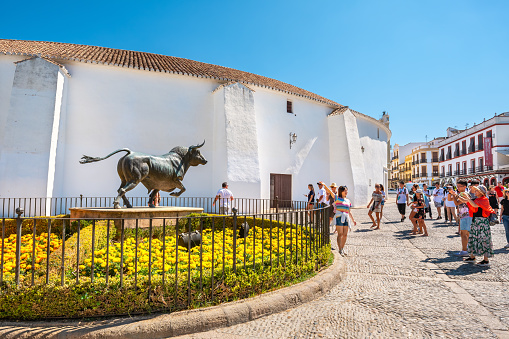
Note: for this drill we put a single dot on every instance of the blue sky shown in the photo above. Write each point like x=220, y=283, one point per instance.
x=430, y=64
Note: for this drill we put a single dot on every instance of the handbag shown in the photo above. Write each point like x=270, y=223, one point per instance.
x=493, y=219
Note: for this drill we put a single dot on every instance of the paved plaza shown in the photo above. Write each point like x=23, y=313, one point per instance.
x=399, y=286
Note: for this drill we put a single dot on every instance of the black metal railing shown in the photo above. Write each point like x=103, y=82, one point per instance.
x=188, y=256
x=60, y=205
x=480, y=169
x=441, y=158
x=471, y=170
x=449, y=157
x=456, y=153
x=435, y=174
x=463, y=151
x=480, y=147
x=442, y=175
x=449, y=174
x=423, y=161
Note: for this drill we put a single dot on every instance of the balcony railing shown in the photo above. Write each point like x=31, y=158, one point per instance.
x=395, y=157
x=435, y=174
x=442, y=175
x=480, y=147
x=471, y=148
x=471, y=170
x=423, y=161
x=456, y=153
x=449, y=174
x=441, y=158
x=463, y=151
x=435, y=160
x=480, y=169
x=449, y=156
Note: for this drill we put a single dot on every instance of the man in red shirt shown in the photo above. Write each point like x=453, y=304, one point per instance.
x=500, y=191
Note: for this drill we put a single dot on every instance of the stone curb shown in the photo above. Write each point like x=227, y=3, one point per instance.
x=186, y=322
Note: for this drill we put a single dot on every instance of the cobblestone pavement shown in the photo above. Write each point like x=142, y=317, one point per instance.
x=399, y=286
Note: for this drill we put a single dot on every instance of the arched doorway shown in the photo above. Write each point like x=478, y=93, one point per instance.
x=505, y=181
x=493, y=181
x=486, y=182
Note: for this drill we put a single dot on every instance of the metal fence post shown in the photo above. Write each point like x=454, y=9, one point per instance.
x=277, y=204
x=234, y=210
x=19, y=212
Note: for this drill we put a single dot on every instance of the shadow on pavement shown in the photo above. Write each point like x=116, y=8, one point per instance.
x=464, y=269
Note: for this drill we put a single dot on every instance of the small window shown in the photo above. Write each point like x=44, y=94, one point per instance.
x=289, y=106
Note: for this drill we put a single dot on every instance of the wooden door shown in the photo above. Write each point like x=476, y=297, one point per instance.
x=281, y=187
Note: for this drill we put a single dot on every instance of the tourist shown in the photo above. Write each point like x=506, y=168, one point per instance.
x=419, y=206
x=330, y=200
x=311, y=201
x=321, y=199
x=157, y=199
x=383, y=200
x=343, y=215
x=438, y=199
x=499, y=189
x=413, y=211
x=376, y=199
x=225, y=197
x=321, y=195
x=492, y=196
x=473, y=183
x=401, y=199
x=450, y=207
x=504, y=214
x=479, y=241
x=463, y=215
x=427, y=195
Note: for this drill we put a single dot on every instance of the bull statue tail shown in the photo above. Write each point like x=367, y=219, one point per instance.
x=85, y=159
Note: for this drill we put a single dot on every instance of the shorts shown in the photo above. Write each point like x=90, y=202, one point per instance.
x=439, y=204
x=339, y=223
x=465, y=223
x=383, y=202
x=402, y=208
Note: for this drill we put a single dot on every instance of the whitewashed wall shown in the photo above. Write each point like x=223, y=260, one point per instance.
x=307, y=161
x=105, y=108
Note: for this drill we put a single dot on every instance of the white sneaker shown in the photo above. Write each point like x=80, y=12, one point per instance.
x=506, y=246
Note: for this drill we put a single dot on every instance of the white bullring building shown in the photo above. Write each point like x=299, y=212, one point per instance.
x=59, y=101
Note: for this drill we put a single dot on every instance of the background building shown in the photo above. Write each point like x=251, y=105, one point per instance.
x=479, y=152
x=425, y=162
x=265, y=137
x=401, y=164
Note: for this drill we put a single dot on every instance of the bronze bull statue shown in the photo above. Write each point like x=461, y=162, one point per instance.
x=157, y=173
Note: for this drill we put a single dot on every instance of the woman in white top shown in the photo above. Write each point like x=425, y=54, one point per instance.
x=450, y=206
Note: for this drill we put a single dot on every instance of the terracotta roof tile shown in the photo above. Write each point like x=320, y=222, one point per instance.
x=148, y=61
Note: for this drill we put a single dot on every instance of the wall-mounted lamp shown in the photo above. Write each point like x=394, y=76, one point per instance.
x=293, y=139
x=362, y=149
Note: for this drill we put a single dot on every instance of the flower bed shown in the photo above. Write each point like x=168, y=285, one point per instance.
x=159, y=275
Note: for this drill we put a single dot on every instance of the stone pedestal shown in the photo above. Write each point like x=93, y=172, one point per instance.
x=130, y=215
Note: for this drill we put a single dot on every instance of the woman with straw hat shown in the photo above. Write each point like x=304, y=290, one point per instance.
x=479, y=241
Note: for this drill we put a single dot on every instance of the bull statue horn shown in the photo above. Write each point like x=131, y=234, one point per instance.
x=197, y=146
